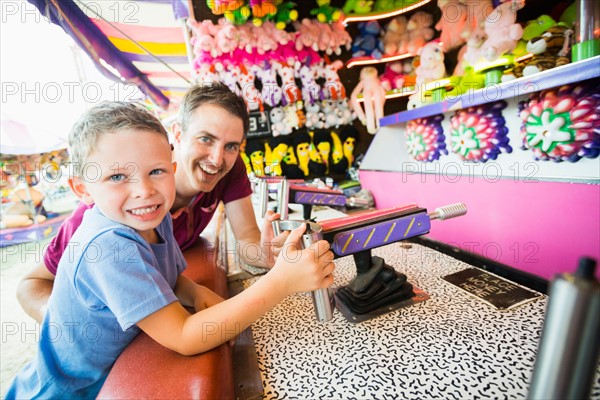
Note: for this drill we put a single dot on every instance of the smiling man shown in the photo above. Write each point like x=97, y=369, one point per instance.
x=212, y=123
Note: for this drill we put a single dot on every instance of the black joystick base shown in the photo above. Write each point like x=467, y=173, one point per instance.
x=377, y=289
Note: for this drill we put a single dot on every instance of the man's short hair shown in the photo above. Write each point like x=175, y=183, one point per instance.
x=107, y=117
x=216, y=93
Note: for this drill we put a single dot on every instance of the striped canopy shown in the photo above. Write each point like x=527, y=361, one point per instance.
x=139, y=41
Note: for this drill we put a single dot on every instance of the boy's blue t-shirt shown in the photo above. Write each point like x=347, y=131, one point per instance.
x=109, y=279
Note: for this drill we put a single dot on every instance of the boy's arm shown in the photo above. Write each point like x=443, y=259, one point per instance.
x=34, y=290
x=255, y=247
x=295, y=271
x=190, y=294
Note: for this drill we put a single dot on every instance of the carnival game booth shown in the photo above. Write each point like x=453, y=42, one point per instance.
x=487, y=102
x=35, y=194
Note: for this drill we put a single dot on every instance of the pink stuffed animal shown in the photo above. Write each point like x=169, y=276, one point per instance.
x=418, y=31
x=453, y=24
x=431, y=65
x=373, y=99
x=307, y=36
x=502, y=31
x=395, y=36
x=392, y=77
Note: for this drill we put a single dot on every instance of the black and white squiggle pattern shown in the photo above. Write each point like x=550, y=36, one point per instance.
x=452, y=346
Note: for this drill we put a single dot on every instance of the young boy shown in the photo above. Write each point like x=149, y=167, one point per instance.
x=121, y=271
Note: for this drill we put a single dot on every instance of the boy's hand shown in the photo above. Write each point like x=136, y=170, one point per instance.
x=305, y=270
x=204, y=298
x=270, y=245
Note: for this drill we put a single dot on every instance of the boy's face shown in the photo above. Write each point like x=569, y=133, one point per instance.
x=208, y=149
x=131, y=178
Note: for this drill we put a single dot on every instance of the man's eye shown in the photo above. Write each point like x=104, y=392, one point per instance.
x=204, y=139
x=232, y=147
x=117, y=178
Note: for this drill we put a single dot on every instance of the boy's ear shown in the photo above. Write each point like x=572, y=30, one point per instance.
x=78, y=187
x=174, y=166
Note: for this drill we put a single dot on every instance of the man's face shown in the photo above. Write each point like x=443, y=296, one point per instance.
x=208, y=148
x=130, y=177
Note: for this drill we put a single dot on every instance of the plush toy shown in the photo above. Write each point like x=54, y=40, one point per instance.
x=289, y=165
x=291, y=92
x=383, y=5
x=349, y=136
x=418, y=31
x=502, y=30
x=255, y=149
x=395, y=38
x=271, y=94
x=333, y=88
x=392, y=77
x=262, y=10
x=285, y=14
x=470, y=53
x=311, y=91
x=307, y=35
x=357, y=7
x=278, y=123
x=275, y=151
x=315, y=119
x=453, y=24
x=477, y=10
x=248, y=91
x=342, y=152
x=316, y=166
x=325, y=12
x=549, y=50
x=373, y=99
x=322, y=141
x=537, y=26
x=431, y=65
x=301, y=142
x=368, y=43
x=341, y=39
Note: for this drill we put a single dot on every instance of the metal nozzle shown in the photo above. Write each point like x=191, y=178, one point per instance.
x=450, y=211
x=263, y=196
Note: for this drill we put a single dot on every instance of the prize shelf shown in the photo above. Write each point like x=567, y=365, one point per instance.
x=555, y=77
x=382, y=14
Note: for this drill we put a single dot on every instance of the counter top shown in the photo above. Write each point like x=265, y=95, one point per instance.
x=452, y=345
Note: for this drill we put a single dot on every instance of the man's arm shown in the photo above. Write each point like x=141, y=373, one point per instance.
x=255, y=247
x=34, y=290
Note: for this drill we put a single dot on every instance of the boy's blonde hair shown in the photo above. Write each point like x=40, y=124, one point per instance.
x=107, y=117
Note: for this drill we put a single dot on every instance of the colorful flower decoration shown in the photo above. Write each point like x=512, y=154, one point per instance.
x=425, y=140
x=562, y=124
x=478, y=134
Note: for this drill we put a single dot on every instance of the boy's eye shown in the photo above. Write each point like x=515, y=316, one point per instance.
x=157, y=171
x=117, y=178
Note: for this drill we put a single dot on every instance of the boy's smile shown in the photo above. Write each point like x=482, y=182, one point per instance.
x=133, y=180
